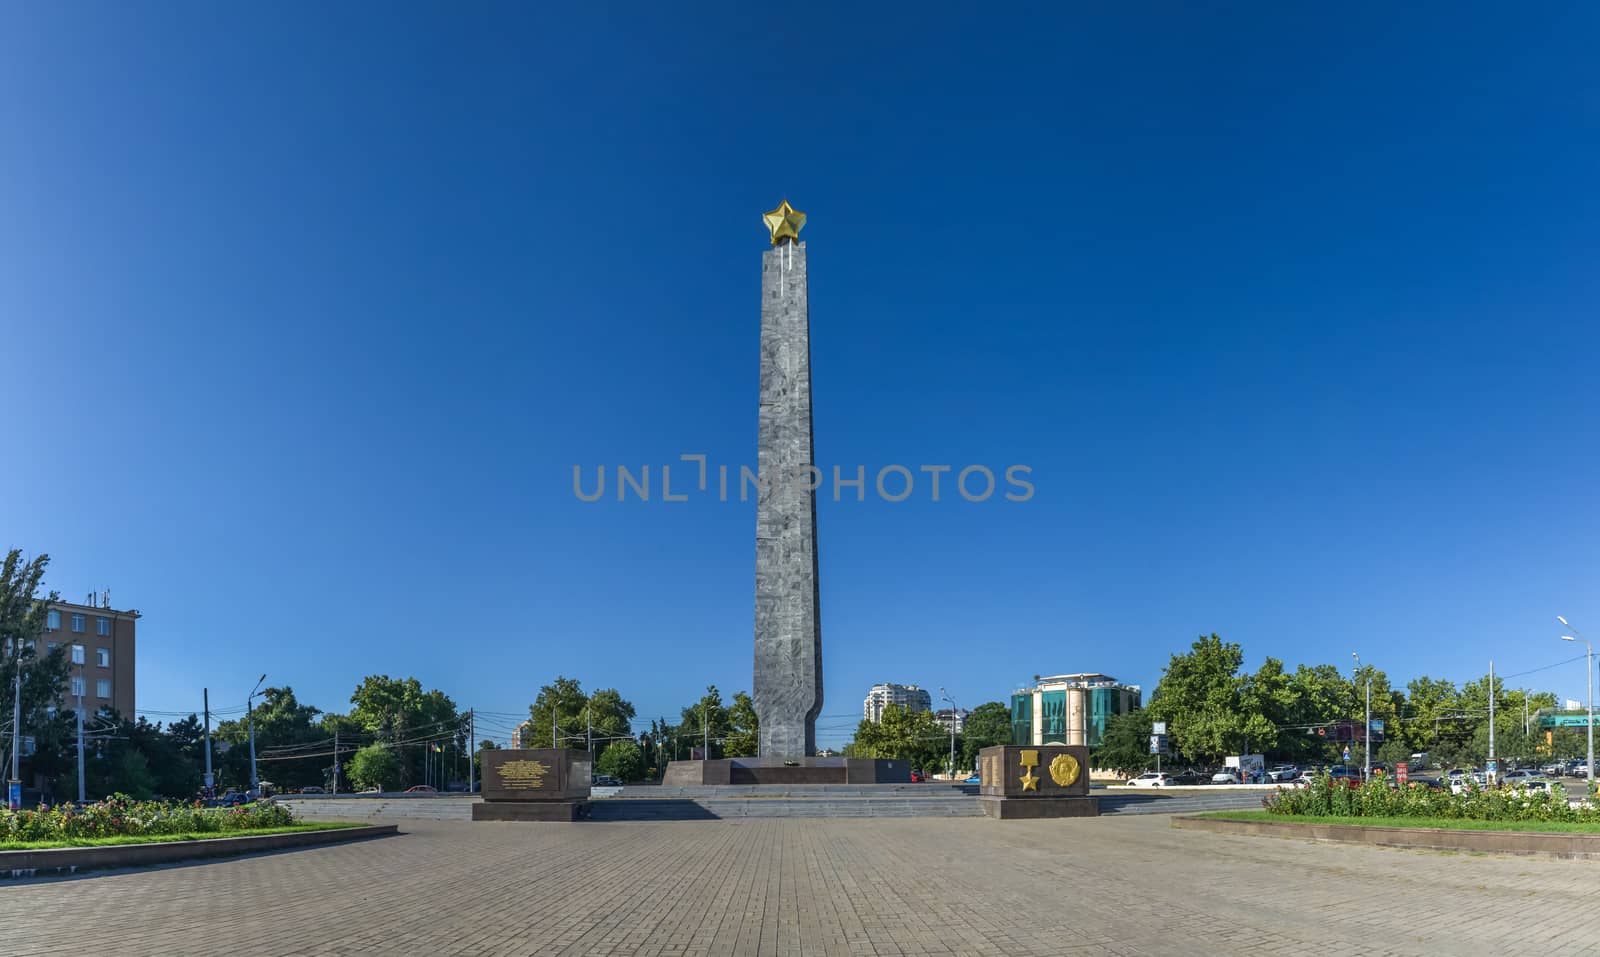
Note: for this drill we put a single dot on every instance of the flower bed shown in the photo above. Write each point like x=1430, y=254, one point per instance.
x=1327, y=797
x=121, y=816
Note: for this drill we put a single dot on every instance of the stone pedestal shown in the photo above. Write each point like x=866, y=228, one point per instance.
x=534, y=784
x=1051, y=780
x=787, y=771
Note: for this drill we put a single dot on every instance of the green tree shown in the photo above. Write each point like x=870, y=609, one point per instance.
x=1198, y=697
x=22, y=620
x=902, y=734
x=374, y=766
x=744, y=728
x=705, y=720
x=400, y=713
x=608, y=717
x=623, y=760
x=1125, y=746
x=987, y=725
x=562, y=700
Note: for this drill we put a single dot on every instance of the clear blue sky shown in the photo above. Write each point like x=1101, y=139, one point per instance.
x=308, y=313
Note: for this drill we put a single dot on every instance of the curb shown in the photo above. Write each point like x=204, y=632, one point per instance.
x=75, y=860
x=1578, y=846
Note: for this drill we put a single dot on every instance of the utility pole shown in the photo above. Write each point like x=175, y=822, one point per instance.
x=1492, y=769
x=472, y=751
x=81, y=798
x=588, y=740
x=945, y=695
x=705, y=726
x=206, y=703
x=335, y=760
x=255, y=782
x=553, y=742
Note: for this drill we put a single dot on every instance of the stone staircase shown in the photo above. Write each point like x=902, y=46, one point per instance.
x=708, y=803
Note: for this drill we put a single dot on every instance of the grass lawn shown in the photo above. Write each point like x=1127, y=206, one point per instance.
x=1455, y=824
x=161, y=838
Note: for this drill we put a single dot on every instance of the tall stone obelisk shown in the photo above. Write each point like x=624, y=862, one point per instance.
x=788, y=675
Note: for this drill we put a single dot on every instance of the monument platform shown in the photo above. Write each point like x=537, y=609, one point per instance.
x=786, y=771
x=1018, y=783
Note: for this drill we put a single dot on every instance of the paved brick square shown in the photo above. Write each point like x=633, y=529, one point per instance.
x=894, y=886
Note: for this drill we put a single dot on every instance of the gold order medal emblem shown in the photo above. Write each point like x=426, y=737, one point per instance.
x=1064, y=769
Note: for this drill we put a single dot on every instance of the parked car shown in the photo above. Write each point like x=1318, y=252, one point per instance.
x=1188, y=779
x=1151, y=779
x=917, y=778
x=606, y=781
x=1461, y=784
x=975, y=779
x=1226, y=776
x=420, y=789
x=1518, y=776
x=313, y=789
x=1283, y=774
x=370, y=791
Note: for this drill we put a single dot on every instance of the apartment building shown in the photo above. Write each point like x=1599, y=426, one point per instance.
x=883, y=695
x=100, y=648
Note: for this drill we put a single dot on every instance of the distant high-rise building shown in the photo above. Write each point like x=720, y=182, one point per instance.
x=516, y=736
x=1069, y=709
x=906, y=696
x=952, y=716
x=1574, y=705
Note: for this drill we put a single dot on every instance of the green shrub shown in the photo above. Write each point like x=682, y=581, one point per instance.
x=1331, y=797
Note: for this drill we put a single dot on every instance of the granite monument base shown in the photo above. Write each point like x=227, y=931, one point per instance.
x=1020, y=809
x=530, y=811
x=831, y=770
x=534, y=784
x=1019, y=783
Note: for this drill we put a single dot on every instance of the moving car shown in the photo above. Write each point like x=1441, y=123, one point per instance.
x=1151, y=779
x=420, y=789
x=1282, y=774
x=1226, y=776
x=1188, y=779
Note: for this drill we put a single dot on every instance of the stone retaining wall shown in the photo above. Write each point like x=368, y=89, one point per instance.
x=72, y=860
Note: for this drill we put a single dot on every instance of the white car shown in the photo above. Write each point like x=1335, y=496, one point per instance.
x=1229, y=776
x=1151, y=779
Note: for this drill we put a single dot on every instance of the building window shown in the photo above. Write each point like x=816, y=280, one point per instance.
x=102, y=688
x=1022, y=718
x=77, y=624
x=102, y=626
x=102, y=657
x=52, y=620
x=77, y=654
x=77, y=685
x=50, y=646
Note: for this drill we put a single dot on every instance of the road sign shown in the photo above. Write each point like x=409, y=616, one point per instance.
x=1402, y=770
x=1158, y=744
x=1347, y=754
x=1158, y=727
x=14, y=798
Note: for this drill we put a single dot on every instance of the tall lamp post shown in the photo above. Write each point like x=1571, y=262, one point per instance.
x=1589, y=658
x=1366, y=735
x=945, y=696
x=14, y=791
x=255, y=782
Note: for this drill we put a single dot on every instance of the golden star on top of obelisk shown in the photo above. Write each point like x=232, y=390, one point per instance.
x=785, y=222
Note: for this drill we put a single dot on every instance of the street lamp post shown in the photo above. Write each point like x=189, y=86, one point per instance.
x=1589, y=669
x=14, y=792
x=255, y=782
x=1366, y=735
x=945, y=696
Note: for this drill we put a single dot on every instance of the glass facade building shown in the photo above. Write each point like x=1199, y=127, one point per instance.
x=1070, y=709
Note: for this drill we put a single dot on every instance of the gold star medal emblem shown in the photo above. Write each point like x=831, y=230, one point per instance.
x=1029, y=760
x=785, y=222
